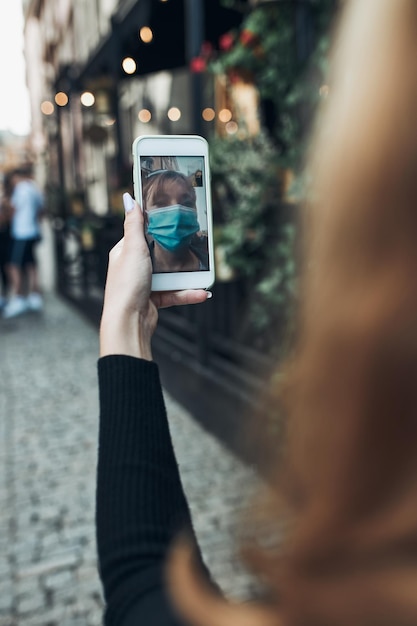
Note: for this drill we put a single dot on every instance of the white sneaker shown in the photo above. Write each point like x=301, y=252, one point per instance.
x=34, y=302
x=16, y=306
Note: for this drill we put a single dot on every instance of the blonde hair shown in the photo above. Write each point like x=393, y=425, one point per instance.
x=166, y=180
x=349, y=485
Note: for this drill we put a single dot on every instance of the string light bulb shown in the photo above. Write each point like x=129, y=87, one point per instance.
x=146, y=34
x=144, y=116
x=129, y=65
x=231, y=128
x=225, y=115
x=208, y=114
x=174, y=114
x=87, y=99
x=47, y=107
x=61, y=99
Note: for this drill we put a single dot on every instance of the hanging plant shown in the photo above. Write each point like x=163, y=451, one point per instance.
x=255, y=230
x=265, y=47
x=249, y=173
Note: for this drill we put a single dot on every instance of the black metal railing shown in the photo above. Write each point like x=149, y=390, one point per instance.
x=205, y=359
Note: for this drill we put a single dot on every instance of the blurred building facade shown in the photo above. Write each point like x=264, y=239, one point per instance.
x=14, y=151
x=99, y=74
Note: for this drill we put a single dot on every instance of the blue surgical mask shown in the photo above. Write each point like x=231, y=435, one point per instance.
x=173, y=226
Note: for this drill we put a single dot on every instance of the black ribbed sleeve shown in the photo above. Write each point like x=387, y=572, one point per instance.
x=140, y=501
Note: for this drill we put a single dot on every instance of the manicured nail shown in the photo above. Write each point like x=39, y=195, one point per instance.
x=128, y=202
x=209, y=295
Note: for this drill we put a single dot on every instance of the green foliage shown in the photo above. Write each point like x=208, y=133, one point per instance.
x=275, y=290
x=254, y=227
x=258, y=227
x=246, y=189
x=265, y=47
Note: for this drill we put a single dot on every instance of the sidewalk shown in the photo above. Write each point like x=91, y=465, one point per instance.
x=48, y=439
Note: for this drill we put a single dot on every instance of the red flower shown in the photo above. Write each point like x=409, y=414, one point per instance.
x=198, y=65
x=247, y=37
x=226, y=41
x=206, y=49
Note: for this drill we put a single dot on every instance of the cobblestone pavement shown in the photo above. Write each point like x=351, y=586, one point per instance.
x=48, y=438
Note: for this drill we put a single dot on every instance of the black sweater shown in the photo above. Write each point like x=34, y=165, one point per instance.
x=140, y=500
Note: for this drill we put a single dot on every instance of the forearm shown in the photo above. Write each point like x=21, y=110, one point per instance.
x=140, y=500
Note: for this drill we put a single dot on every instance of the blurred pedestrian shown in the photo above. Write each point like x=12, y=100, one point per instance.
x=27, y=204
x=6, y=213
x=346, y=487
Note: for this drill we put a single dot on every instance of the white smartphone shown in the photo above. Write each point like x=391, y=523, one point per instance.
x=171, y=178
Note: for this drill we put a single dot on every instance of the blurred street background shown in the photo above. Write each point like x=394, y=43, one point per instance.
x=80, y=81
x=48, y=452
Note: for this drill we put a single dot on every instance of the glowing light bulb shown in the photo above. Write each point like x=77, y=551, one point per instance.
x=231, y=128
x=129, y=65
x=47, y=107
x=87, y=99
x=225, y=115
x=146, y=34
x=208, y=114
x=174, y=114
x=61, y=99
x=144, y=116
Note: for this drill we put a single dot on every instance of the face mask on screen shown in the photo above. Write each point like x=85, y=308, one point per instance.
x=173, y=227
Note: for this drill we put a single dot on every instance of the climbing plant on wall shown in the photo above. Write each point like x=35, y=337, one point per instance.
x=282, y=47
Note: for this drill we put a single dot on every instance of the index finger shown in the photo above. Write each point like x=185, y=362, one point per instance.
x=164, y=299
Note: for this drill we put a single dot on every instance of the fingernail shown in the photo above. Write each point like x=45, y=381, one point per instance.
x=128, y=202
x=209, y=295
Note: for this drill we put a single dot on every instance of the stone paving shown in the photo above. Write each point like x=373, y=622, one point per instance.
x=48, y=439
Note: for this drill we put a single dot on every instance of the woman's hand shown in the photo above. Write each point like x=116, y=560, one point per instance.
x=130, y=311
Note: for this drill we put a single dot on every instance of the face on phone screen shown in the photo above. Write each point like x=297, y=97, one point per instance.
x=175, y=208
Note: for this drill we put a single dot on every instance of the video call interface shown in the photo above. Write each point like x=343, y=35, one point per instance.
x=174, y=201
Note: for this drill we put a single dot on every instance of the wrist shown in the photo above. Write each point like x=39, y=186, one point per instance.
x=126, y=337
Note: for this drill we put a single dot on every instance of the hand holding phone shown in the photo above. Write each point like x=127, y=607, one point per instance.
x=130, y=314
x=172, y=185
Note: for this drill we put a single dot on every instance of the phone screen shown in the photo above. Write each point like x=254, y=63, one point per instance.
x=174, y=201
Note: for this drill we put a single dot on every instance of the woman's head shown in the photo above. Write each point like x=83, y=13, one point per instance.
x=350, y=485
x=351, y=393
x=167, y=187
x=170, y=209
